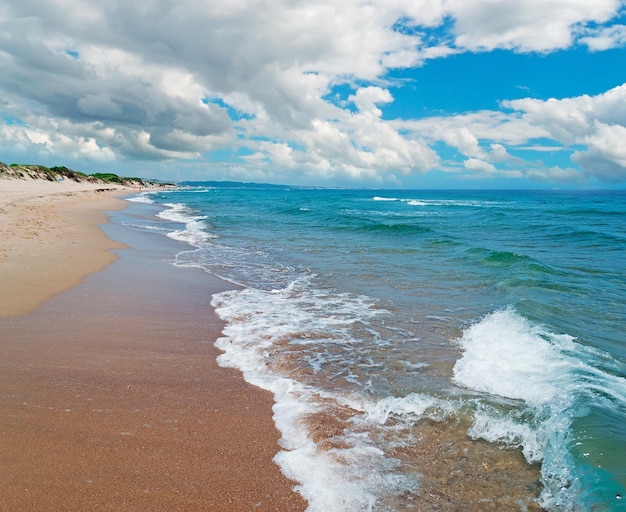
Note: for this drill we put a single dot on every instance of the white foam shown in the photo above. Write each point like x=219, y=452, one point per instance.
x=491, y=426
x=143, y=198
x=178, y=212
x=194, y=233
x=348, y=476
x=414, y=406
x=506, y=355
x=439, y=202
x=259, y=321
x=549, y=375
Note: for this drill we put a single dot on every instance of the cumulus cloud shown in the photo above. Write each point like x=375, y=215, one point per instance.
x=605, y=156
x=499, y=153
x=474, y=164
x=595, y=123
x=590, y=128
x=40, y=143
x=605, y=38
x=366, y=99
x=463, y=140
x=557, y=175
x=172, y=79
x=530, y=25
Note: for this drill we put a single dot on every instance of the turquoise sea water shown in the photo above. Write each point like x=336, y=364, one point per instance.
x=426, y=349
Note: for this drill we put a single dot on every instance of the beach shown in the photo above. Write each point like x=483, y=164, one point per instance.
x=50, y=238
x=215, y=347
x=111, y=397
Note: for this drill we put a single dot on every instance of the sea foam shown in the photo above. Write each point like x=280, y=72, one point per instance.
x=142, y=198
x=194, y=231
x=550, y=377
x=350, y=475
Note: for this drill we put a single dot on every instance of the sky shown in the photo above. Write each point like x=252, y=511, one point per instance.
x=360, y=93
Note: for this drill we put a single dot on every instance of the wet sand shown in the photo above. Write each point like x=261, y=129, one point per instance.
x=110, y=397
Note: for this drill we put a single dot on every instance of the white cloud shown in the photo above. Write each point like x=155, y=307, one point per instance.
x=565, y=120
x=44, y=142
x=590, y=128
x=530, y=25
x=499, y=153
x=463, y=140
x=474, y=164
x=605, y=156
x=555, y=174
x=465, y=131
x=366, y=99
x=172, y=79
x=595, y=123
x=605, y=38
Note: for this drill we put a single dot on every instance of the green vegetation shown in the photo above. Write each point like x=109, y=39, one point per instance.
x=60, y=173
x=109, y=177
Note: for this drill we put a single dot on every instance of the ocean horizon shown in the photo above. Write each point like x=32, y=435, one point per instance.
x=425, y=348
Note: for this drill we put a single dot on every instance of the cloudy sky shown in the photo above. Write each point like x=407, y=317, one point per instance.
x=382, y=93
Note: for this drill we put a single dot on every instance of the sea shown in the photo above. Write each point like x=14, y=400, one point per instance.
x=426, y=349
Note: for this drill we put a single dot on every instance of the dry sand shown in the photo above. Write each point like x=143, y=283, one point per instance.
x=49, y=239
x=110, y=397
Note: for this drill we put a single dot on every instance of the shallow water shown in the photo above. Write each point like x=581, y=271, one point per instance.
x=427, y=349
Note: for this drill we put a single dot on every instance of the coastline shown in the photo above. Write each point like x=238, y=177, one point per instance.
x=112, y=398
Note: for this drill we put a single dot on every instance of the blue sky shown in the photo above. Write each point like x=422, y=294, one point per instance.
x=377, y=93
x=477, y=81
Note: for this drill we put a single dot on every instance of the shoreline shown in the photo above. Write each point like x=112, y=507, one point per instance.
x=112, y=398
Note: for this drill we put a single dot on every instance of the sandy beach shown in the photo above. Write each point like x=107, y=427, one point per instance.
x=111, y=398
x=50, y=239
